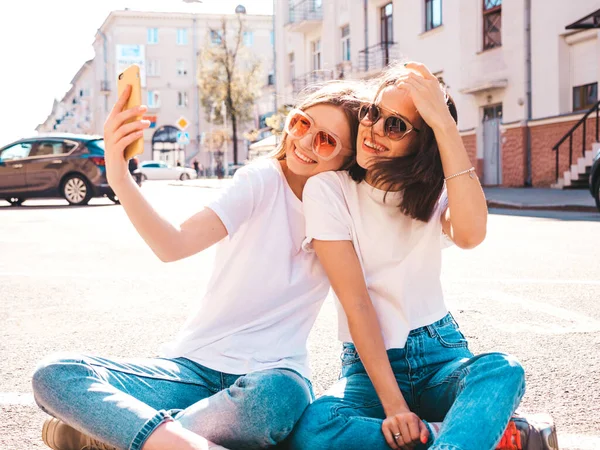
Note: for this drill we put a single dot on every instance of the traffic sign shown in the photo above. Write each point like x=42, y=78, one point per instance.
x=182, y=123
x=183, y=137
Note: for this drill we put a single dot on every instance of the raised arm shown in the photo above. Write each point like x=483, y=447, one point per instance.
x=168, y=242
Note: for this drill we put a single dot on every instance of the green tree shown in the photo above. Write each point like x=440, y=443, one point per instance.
x=229, y=77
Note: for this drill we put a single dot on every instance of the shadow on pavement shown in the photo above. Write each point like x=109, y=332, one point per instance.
x=25, y=207
x=567, y=216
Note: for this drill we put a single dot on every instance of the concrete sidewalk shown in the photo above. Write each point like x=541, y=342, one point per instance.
x=497, y=197
x=540, y=199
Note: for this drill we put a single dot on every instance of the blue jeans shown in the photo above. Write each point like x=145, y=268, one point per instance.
x=121, y=402
x=440, y=380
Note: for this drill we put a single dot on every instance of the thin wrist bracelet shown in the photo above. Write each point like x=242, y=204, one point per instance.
x=470, y=171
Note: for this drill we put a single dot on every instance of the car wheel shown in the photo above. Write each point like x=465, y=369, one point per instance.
x=597, y=194
x=15, y=201
x=184, y=176
x=76, y=190
x=113, y=198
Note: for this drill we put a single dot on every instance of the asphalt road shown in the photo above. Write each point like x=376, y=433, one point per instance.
x=80, y=279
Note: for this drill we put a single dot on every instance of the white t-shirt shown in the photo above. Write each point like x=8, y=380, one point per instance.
x=400, y=256
x=265, y=292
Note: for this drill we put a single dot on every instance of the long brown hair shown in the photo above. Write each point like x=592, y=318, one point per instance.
x=419, y=175
x=345, y=94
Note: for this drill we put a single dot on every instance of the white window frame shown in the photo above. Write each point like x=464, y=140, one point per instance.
x=152, y=36
x=291, y=66
x=346, y=56
x=317, y=57
x=153, y=68
x=182, y=99
x=182, y=36
x=153, y=98
x=248, y=38
x=181, y=67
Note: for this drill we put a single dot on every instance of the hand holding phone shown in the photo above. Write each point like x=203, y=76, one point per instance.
x=131, y=76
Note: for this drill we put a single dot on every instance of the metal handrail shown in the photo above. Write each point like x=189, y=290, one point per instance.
x=569, y=135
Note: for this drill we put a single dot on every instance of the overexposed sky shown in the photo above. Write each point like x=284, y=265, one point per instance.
x=43, y=43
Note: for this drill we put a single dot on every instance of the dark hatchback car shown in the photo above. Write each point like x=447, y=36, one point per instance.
x=58, y=165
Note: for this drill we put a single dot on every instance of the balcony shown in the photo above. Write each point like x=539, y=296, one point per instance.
x=377, y=57
x=316, y=76
x=304, y=15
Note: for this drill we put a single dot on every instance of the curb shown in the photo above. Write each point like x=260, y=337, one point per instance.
x=520, y=206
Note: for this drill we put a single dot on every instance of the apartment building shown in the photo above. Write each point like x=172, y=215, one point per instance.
x=522, y=72
x=166, y=46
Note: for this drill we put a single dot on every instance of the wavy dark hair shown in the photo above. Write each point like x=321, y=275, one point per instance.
x=419, y=175
x=345, y=94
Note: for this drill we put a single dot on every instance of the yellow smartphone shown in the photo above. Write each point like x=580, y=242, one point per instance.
x=131, y=76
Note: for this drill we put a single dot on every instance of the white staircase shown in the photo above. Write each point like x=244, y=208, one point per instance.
x=577, y=176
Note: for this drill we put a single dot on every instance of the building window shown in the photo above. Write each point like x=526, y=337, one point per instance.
x=152, y=35
x=585, y=96
x=215, y=37
x=153, y=68
x=291, y=67
x=316, y=54
x=153, y=99
x=248, y=38
x=387, y=24
x=317, y=5
x=433, y=14
x=272, y=38
x=492, y=24
x=182, y=99
x=271, y=79
x=181, y=67
x=492, y=112
x=346, y=43
x=182, y=36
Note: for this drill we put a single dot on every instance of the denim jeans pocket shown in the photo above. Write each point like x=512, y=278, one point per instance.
x=449, y=336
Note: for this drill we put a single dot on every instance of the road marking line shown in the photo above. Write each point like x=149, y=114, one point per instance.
x=578, y=442
x=450, y=279
x=579, y=323
x=16, y=398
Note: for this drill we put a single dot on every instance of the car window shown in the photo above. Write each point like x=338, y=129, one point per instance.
x=17, y=151
x=163, y=165
x=151, y=165
x=51, y=148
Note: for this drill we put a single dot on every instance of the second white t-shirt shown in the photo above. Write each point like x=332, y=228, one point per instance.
x=400, y=256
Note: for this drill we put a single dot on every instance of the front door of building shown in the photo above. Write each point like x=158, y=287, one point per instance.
x=492, y=161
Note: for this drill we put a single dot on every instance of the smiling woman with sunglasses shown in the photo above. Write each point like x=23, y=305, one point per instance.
x=237, y=373
x=378, y=231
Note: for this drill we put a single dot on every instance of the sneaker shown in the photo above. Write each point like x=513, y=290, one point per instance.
x=59, y=436
x=531, y=432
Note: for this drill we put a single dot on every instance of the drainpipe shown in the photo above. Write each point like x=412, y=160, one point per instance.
x=528, y=90
x=195, y=84
x=365, y=4
x=274, y=60
x=105, y=57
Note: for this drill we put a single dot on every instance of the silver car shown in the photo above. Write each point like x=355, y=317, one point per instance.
x=160, y=170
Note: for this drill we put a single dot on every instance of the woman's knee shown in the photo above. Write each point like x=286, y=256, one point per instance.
x=56, y=371
x=275, y=399
x=504, y=367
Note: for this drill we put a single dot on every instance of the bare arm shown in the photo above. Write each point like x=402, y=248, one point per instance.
x=343, y=268
x=168, y=242
x=466, y=226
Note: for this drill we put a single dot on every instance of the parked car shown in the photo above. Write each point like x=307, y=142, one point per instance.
x=160, y=170
x=55, y=165
x=233, y=168
x=595, y=179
